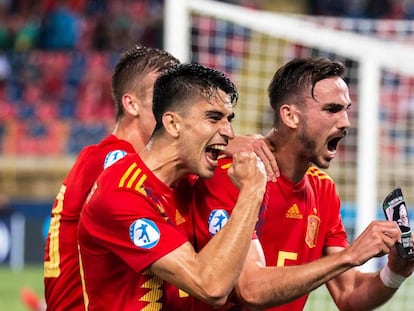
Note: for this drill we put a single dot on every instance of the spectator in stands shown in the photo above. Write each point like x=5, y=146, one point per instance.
x=100, y=33
x=140, y=21
x=94, y=91
x=60, y=28
x=25, y=18
x=6, y=37
x=151, y=20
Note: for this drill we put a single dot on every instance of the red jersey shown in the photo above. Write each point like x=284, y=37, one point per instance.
x=176, y=299
x=296, y=221
x=130, y=221
x=63, y=288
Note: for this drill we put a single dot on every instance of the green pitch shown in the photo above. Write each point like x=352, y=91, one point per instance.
x=11, y=283
x=321, y=300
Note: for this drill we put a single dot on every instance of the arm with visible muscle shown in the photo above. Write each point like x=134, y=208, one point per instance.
x=211, y=274
x=263, y=286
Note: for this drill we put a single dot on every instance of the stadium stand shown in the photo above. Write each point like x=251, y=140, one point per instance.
x=56, y=60
x=56, y=99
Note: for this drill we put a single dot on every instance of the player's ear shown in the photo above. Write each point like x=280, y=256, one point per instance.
x=130, y=104
x=172, y=123
x=289, y=115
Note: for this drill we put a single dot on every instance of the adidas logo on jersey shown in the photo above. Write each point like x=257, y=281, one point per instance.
x=179, y=219
x=294, y=212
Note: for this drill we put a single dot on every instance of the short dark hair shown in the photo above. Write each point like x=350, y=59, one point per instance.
x=133, y=66
x=291, y=81
x=186, y=81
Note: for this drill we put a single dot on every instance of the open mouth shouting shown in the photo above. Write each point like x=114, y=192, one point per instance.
x=213, y=152
x=332, y=144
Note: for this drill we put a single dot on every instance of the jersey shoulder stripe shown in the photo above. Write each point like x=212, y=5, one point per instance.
x=313, y=171
x=133, y=178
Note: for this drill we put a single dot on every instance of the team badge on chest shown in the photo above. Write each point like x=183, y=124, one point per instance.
x=312, y=230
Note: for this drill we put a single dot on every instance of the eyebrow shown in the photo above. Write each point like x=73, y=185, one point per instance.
x=346, y=106
x=216, y=114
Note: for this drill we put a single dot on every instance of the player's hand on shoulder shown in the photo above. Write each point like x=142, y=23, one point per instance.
x=248, y=170
x=257, y=144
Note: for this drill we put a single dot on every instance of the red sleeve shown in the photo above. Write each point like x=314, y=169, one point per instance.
x=213, y=202
x=134, y=230
x=336, y=234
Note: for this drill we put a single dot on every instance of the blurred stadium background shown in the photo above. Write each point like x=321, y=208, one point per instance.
x=56, y=59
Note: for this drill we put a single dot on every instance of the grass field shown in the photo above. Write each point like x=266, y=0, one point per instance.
x=11, y=283
x=402, y=300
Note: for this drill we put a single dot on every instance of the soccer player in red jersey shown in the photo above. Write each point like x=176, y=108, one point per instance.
x=132, y=80
x=132, y=86
x=302, y=237
x=129, y=239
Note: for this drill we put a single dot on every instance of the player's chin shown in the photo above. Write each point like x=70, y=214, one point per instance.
x=325, y=158
x=323, y=163
x=210, y=165
x=207, y=172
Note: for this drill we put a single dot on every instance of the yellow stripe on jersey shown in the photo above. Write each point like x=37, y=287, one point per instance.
x=138, y=186
x=154, y=284
x=133, y=178
x=226, y=166
x=316, y=172
x=126, y=174
x=130, y=177
x=82, y=274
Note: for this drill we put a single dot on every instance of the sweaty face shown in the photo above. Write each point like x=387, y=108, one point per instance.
x=206, y=131
x=325, y=121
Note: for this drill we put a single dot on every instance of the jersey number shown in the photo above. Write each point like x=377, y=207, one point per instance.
x=51, y=267
x=283, y=256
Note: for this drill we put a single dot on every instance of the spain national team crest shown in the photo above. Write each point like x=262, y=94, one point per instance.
x=144, y=233
x=312, y=230
x=216, y=221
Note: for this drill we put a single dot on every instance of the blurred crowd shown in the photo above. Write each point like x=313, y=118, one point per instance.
x=112, y=25
x=56, y=59
x=79, y=24
x=384, y=9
